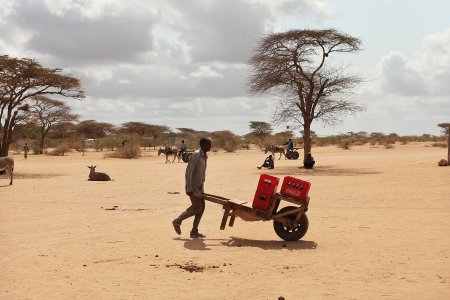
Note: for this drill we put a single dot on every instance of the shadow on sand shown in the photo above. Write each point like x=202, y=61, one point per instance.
x=197, y=244
x=270, y=245
x=207, y=244
x=321, y=171
x=36, y=175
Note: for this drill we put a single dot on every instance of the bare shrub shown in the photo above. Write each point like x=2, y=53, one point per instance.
x=404, y=140
x=230, y=147
x=129, y=150
x=126, y=152
x=373, y=142
x=60, y=150
x=345, y=144
x=441, y=145
x=388, y=145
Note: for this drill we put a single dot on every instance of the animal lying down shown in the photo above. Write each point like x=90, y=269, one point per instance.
x=97, y=176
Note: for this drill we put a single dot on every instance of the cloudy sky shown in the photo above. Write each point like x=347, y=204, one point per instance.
x=184, y=63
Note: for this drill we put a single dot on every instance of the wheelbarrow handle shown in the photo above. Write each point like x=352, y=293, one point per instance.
x=212, y=198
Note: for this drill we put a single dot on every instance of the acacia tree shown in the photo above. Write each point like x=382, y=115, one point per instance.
x=446, y=130
x=294, y=65
x=48, y=113
x=21, y=79
x=260, y=129
x=91, y=129
x=143, y=129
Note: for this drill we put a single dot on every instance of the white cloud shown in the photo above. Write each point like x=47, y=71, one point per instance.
x=433, y=61
x=206, y=72
x=399, y=77
x=427, y=72
x=71, y=34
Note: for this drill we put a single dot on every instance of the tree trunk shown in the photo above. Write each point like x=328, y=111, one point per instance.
x=306, y=139
x=41, y=141
x=41, y=145
x=448, y=145
x=6, y=130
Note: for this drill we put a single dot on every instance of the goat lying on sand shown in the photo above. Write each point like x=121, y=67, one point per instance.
x=97, y=176
x=7, y=163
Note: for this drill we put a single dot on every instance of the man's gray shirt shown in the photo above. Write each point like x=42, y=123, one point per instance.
x=195, y=172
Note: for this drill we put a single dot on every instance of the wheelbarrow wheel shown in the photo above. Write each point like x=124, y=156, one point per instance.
x=291, y=233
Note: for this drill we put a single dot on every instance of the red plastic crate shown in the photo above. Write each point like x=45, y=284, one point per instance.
x=267, y=186
x=294, y=187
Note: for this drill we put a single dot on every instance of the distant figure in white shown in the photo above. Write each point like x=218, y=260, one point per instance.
x=7, y=163
x=97, y=176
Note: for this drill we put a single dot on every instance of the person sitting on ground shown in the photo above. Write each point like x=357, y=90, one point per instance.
x=308, y=162
x=268, y=163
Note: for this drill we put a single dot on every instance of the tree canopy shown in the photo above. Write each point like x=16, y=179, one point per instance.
x=91, y=129
x=294, y=65
x=48, y=113
x=22, y=79
x=260, y=129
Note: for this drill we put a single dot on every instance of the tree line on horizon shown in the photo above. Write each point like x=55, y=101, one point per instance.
x=64, y=136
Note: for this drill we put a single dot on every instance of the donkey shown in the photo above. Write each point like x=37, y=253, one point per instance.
x=97, y=176
x=275, y=149
x=7, y=163
x=168, y=152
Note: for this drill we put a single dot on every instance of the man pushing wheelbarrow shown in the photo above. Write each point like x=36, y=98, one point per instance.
x=195, y=178
x=290, y=222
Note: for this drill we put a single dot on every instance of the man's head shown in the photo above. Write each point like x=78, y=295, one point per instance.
x=270, y=156
x=182, y=141
x=205, y=144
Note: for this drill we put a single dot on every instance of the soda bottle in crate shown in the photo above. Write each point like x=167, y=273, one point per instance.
x=295, y=188
x=267, y=186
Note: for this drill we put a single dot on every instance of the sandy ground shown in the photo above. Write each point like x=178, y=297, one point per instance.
x=379, y=229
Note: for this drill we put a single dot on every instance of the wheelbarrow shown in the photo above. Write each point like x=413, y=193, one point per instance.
x=290, y=223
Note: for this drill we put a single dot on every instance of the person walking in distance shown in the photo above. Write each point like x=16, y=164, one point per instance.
x=195, y=179
x=26, y=149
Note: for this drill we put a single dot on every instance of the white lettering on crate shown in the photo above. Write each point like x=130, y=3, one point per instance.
x=293, y=192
